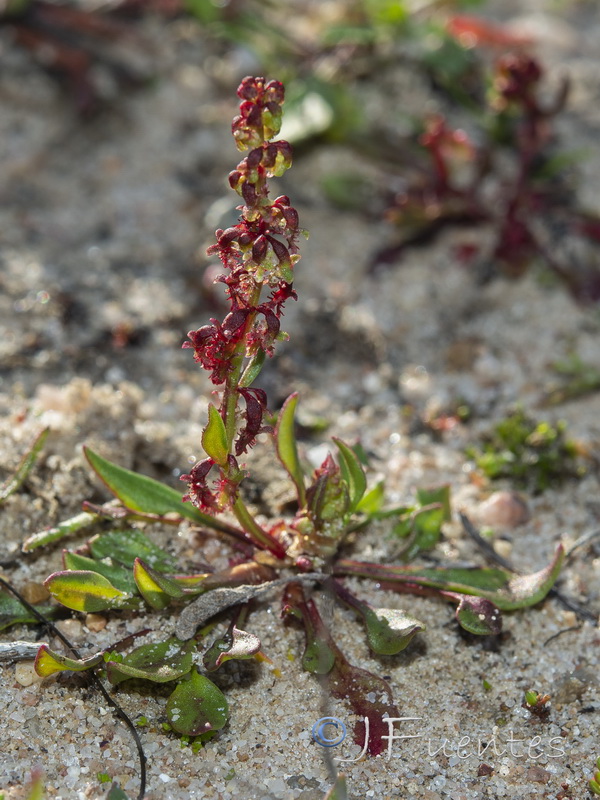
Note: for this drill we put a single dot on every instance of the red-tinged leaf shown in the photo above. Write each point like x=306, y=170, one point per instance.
x=476, y=614
x=47, y=662
x=234, y=644
x=504, y=589
x=367, y=695
x=197, y=706
x=82, y=590
x=119, y=576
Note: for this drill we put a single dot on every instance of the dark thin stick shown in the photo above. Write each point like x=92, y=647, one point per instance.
x=493, y=556
x=95, y=680
x=560, y=633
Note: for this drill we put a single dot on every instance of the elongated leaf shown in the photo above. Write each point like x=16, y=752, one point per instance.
x=47, y=662
x=234, y=644
x=504, y=589
x=120, y=577
x=214, y=437
x=160, y=663
x=140, y=493
x=60, y=531
x=197, y=706
x=24, y=468
x=13, y=613
x=125, y=546
x=352, y=473
x=253, y=369
x=287, y=450
x=82, y=590
x=157, y=590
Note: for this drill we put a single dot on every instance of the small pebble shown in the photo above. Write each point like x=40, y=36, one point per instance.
x=25, y=674
x=35, y=592
x=95, y=622
x=72, y=629
x=503, y=510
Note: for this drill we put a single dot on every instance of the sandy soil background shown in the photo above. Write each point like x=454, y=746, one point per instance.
x=103, y=227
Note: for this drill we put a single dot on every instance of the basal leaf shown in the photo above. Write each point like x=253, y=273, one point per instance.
x=156, y=589
x=235, y=643
x=13, y=613
x=478, y=615
x=197, y=706
x=390, y=630
x=127, y=545
x=504, y=589
x=160, y=663
x=214, y=437
x=140, y=493
x=47, y=662
x=287, y=450
x=120, y=577
x=352, y=473
x=60, y=531
x=83, y=590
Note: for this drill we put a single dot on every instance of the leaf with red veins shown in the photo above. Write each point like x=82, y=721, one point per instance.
x=368, y=695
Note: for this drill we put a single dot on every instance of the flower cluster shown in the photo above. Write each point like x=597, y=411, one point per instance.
x=259, y=253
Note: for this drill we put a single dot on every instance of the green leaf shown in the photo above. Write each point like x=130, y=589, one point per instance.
x=60, y=531
x=439, y=494
x=24, y=467
x=160, y=663
x=253, y=369
x=506, y=590
x=373, y=500
x=125, y=546
x=83, y=590
x=156, y=589
x=390, y=630
x=214, y=437
x=352, y=473
x=13, y=613
x=120, y=577
x=197, y=706
x=140, y=493
x=234, y=644
x=287, y=450
x=47, y=662
x=318, y=657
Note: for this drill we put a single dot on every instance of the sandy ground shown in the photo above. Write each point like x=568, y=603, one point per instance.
x=103, y=227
